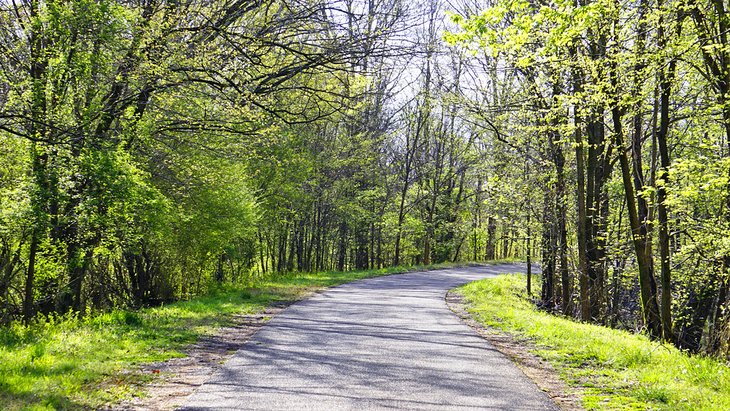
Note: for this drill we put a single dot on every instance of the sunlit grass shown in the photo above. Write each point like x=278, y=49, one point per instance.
x=72, y=363
x=619, y=370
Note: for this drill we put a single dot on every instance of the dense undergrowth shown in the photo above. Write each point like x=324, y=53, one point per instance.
x=617, y=370
x=90, y=361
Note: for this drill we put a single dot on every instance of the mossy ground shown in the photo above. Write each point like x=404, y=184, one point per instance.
x=618, y=370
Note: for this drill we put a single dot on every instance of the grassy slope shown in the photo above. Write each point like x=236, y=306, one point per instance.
x=619, y=370
x=83, y=364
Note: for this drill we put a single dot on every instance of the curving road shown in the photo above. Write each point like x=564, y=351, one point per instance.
x=382, y=343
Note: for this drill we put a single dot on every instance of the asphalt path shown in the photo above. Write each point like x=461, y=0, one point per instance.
x=382, y=343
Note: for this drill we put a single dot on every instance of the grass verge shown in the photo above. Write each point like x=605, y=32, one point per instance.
x=617, y=370
x=86, y=363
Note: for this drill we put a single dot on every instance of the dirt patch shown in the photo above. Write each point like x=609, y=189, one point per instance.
x=179, y=377
x=518, y=350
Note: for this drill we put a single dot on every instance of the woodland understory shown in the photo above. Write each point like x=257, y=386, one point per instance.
x=152, y=150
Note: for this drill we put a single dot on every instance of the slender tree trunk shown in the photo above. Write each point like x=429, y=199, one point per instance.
x=582, y=221
x=585, y=292
x=292, y=248
x=665, y=86
x=598, y=170
x=342, y=253
x=715, y=330
x=371, y=263
x=529, y=255
x=560, y=209
x=260, y=247
x=491, y=233
x=549, y=245
x=402, y=204
x=647, y=281
x=28, y=306
x=431, y=211
x=427, y=247
x=642, y=207
x=38, y=65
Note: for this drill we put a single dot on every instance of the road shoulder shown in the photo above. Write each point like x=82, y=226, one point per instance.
x=179, y=377
x=519, y=351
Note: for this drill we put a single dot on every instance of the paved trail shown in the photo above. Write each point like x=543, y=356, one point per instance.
x=382, y=343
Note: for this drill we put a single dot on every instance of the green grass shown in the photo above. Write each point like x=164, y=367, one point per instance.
x=72, y=363
x=618, y=370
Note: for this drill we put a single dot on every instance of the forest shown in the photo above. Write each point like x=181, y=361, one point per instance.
x=152, y=150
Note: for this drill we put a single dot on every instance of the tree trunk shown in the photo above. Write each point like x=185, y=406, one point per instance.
x=529, y=256
x=647, y=281
x=585, y=292
x=549, y=245
x=28, y=306
x=342, y=249
x=491, y=232
x=665, y=87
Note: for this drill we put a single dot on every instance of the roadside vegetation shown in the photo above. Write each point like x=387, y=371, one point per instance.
x=616, y=369
x=151, y=149
x=71, y=362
